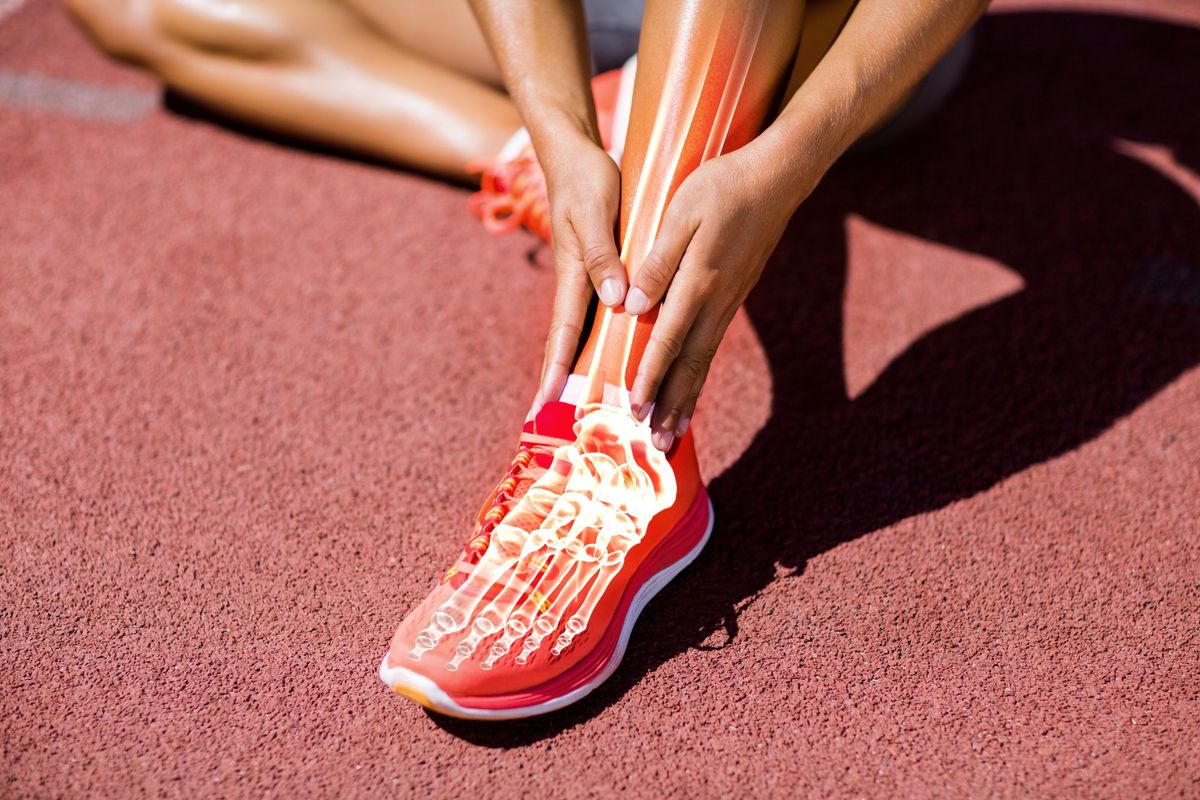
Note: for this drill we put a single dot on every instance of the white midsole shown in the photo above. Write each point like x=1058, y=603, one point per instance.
x=440, y=701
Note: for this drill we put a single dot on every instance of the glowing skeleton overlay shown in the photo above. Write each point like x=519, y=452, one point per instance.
x=691, y=101
x=568, y=533
x=560, y=547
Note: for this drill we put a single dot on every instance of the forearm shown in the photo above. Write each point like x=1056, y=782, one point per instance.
x=873, y=66
x=541, y=48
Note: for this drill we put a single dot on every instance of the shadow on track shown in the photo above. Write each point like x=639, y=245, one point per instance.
x=1019, y=167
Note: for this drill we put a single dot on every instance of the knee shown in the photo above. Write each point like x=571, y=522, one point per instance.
x=157, y=33
x=117, y=26
x=124, y=29
x=250, y=30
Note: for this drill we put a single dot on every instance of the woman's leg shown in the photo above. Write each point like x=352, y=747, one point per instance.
x=708, y=75
x=421, y=27
x=320, y=71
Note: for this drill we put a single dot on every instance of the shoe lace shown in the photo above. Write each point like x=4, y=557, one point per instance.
x=523, y=469
x=512, y=193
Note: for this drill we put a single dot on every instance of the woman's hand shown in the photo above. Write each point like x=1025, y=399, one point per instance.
x=584, y=187
x=720, y=228
x=542, y=52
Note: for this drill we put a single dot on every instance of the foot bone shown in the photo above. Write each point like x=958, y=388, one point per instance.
x=593, y=505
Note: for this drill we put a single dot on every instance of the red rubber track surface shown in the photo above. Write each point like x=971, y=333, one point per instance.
x=250, y=396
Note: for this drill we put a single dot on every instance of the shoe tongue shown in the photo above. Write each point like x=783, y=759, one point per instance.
x=556, y=420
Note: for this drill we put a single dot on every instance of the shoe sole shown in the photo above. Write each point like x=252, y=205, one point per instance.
x=425, y=692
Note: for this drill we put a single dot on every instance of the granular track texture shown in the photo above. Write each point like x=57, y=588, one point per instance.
x=251, y=394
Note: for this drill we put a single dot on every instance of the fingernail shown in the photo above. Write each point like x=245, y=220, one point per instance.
x=610, y=292
x=637, y=406
x=681, y=429
x=636, y=301
x=662, y=440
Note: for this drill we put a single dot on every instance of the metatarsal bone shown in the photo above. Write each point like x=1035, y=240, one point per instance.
x=532, y=611
x=493, y=617
x=497, y=613
x=583, y=573
x=547, y=621
x=609, y=566
x=528, y=575
x=567, y=576
x=506, y=545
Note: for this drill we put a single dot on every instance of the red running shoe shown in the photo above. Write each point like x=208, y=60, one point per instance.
x=538, y=610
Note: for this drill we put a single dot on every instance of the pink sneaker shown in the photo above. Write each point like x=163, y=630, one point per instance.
x=538, y=610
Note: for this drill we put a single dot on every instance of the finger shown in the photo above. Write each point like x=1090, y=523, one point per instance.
x=654, y=274
x=692, y=397
x=598, y=254
x=572, y=294
x=683, y=380
x=667, y=340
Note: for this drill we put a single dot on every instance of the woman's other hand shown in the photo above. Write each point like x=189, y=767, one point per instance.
x=584, y=187
x=716, y=236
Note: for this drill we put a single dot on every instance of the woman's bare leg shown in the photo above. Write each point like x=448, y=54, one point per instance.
x=318, y=70
x=443, y=32
x=708, y=76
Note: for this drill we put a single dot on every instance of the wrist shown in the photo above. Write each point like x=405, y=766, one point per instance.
x=801, y=145
x=554, y=120
x=562, y=143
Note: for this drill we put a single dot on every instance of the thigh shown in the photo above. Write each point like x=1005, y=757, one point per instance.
x=443, y=32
